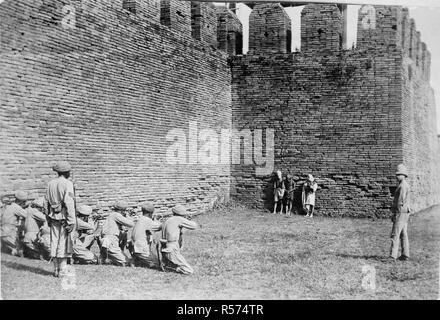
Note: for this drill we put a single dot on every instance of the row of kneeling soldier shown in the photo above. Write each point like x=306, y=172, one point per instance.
x=54, y=228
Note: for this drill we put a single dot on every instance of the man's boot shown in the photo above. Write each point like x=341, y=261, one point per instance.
x=62, y=267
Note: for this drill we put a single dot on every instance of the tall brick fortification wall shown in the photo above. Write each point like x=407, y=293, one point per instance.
x=94, y=83
x=348, y=117
x=421, y=151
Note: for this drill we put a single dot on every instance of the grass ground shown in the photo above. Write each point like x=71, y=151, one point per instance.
x=246, y=254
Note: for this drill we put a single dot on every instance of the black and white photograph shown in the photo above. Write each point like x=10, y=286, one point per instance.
x=201, y=150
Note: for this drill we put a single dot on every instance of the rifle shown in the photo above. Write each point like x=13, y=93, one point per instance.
x=71, y=235
x=20, y=236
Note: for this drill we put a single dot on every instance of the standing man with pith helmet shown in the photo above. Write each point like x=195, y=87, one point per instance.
x=401, y=211
x=60, y=205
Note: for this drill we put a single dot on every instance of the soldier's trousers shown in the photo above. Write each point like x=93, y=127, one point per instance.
x=30, y=246
x=83, y=255
x=9, y=243
x=112, y=251
x=44, y=245
x=144, y=260
x=174, y=259
x=61, y=245
x=399, y=234
x=81, y=250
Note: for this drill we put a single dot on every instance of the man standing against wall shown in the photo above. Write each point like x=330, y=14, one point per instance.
x=60, y=206
x=308, y=195
x=401, y=212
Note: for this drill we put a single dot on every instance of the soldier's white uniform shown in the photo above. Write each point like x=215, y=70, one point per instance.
x=59, y=201
x=84, y=238
x=9, y=223
x=110, y=237
x=141, y=244
x=35, y=219
x=171, y=235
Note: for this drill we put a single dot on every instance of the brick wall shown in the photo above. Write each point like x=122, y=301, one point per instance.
x=421, y=150
x=342, y=116
x=94, y=82
x=99, y=89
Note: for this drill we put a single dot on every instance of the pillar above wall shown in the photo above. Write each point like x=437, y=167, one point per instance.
x=322, y=28
x=269, y=29
x=204, y=22
x=380, y=27
x=229, y=31
x=176, y=15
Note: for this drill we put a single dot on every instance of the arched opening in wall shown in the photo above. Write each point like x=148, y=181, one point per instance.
x=243, y=12
x=238, y=43
x=295, y=33
x=289, y=41
x=351, y=25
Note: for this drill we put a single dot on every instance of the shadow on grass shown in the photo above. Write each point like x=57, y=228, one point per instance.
x=18, y=266
x=364, y=257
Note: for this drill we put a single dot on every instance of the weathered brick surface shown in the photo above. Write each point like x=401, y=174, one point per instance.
x=269, y=29
x=321, y=28
x=104, y=95
x=229, y=31
x=346, y=117
x=204, y=22
x=177, y=15
x=421, y=150
x=101, y=83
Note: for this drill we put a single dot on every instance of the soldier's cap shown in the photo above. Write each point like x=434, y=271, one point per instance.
x=39, y=202
x=289, y=176
x=21, y=195
x=179, y=210
x=62, y=166
x=401, y=170
x=121, y=205
x=84, y=209
x=310, y=177
x=148, y=207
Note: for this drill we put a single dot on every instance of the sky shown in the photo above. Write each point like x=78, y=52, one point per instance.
x=427, y=22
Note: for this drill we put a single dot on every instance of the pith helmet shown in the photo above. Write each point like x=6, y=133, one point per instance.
x=62, y=166
x=39, y=202
x=21, y=195
x=148, y=206
x=401, y=170
x=121, y=205
x=179, y=210
x=85, y=210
